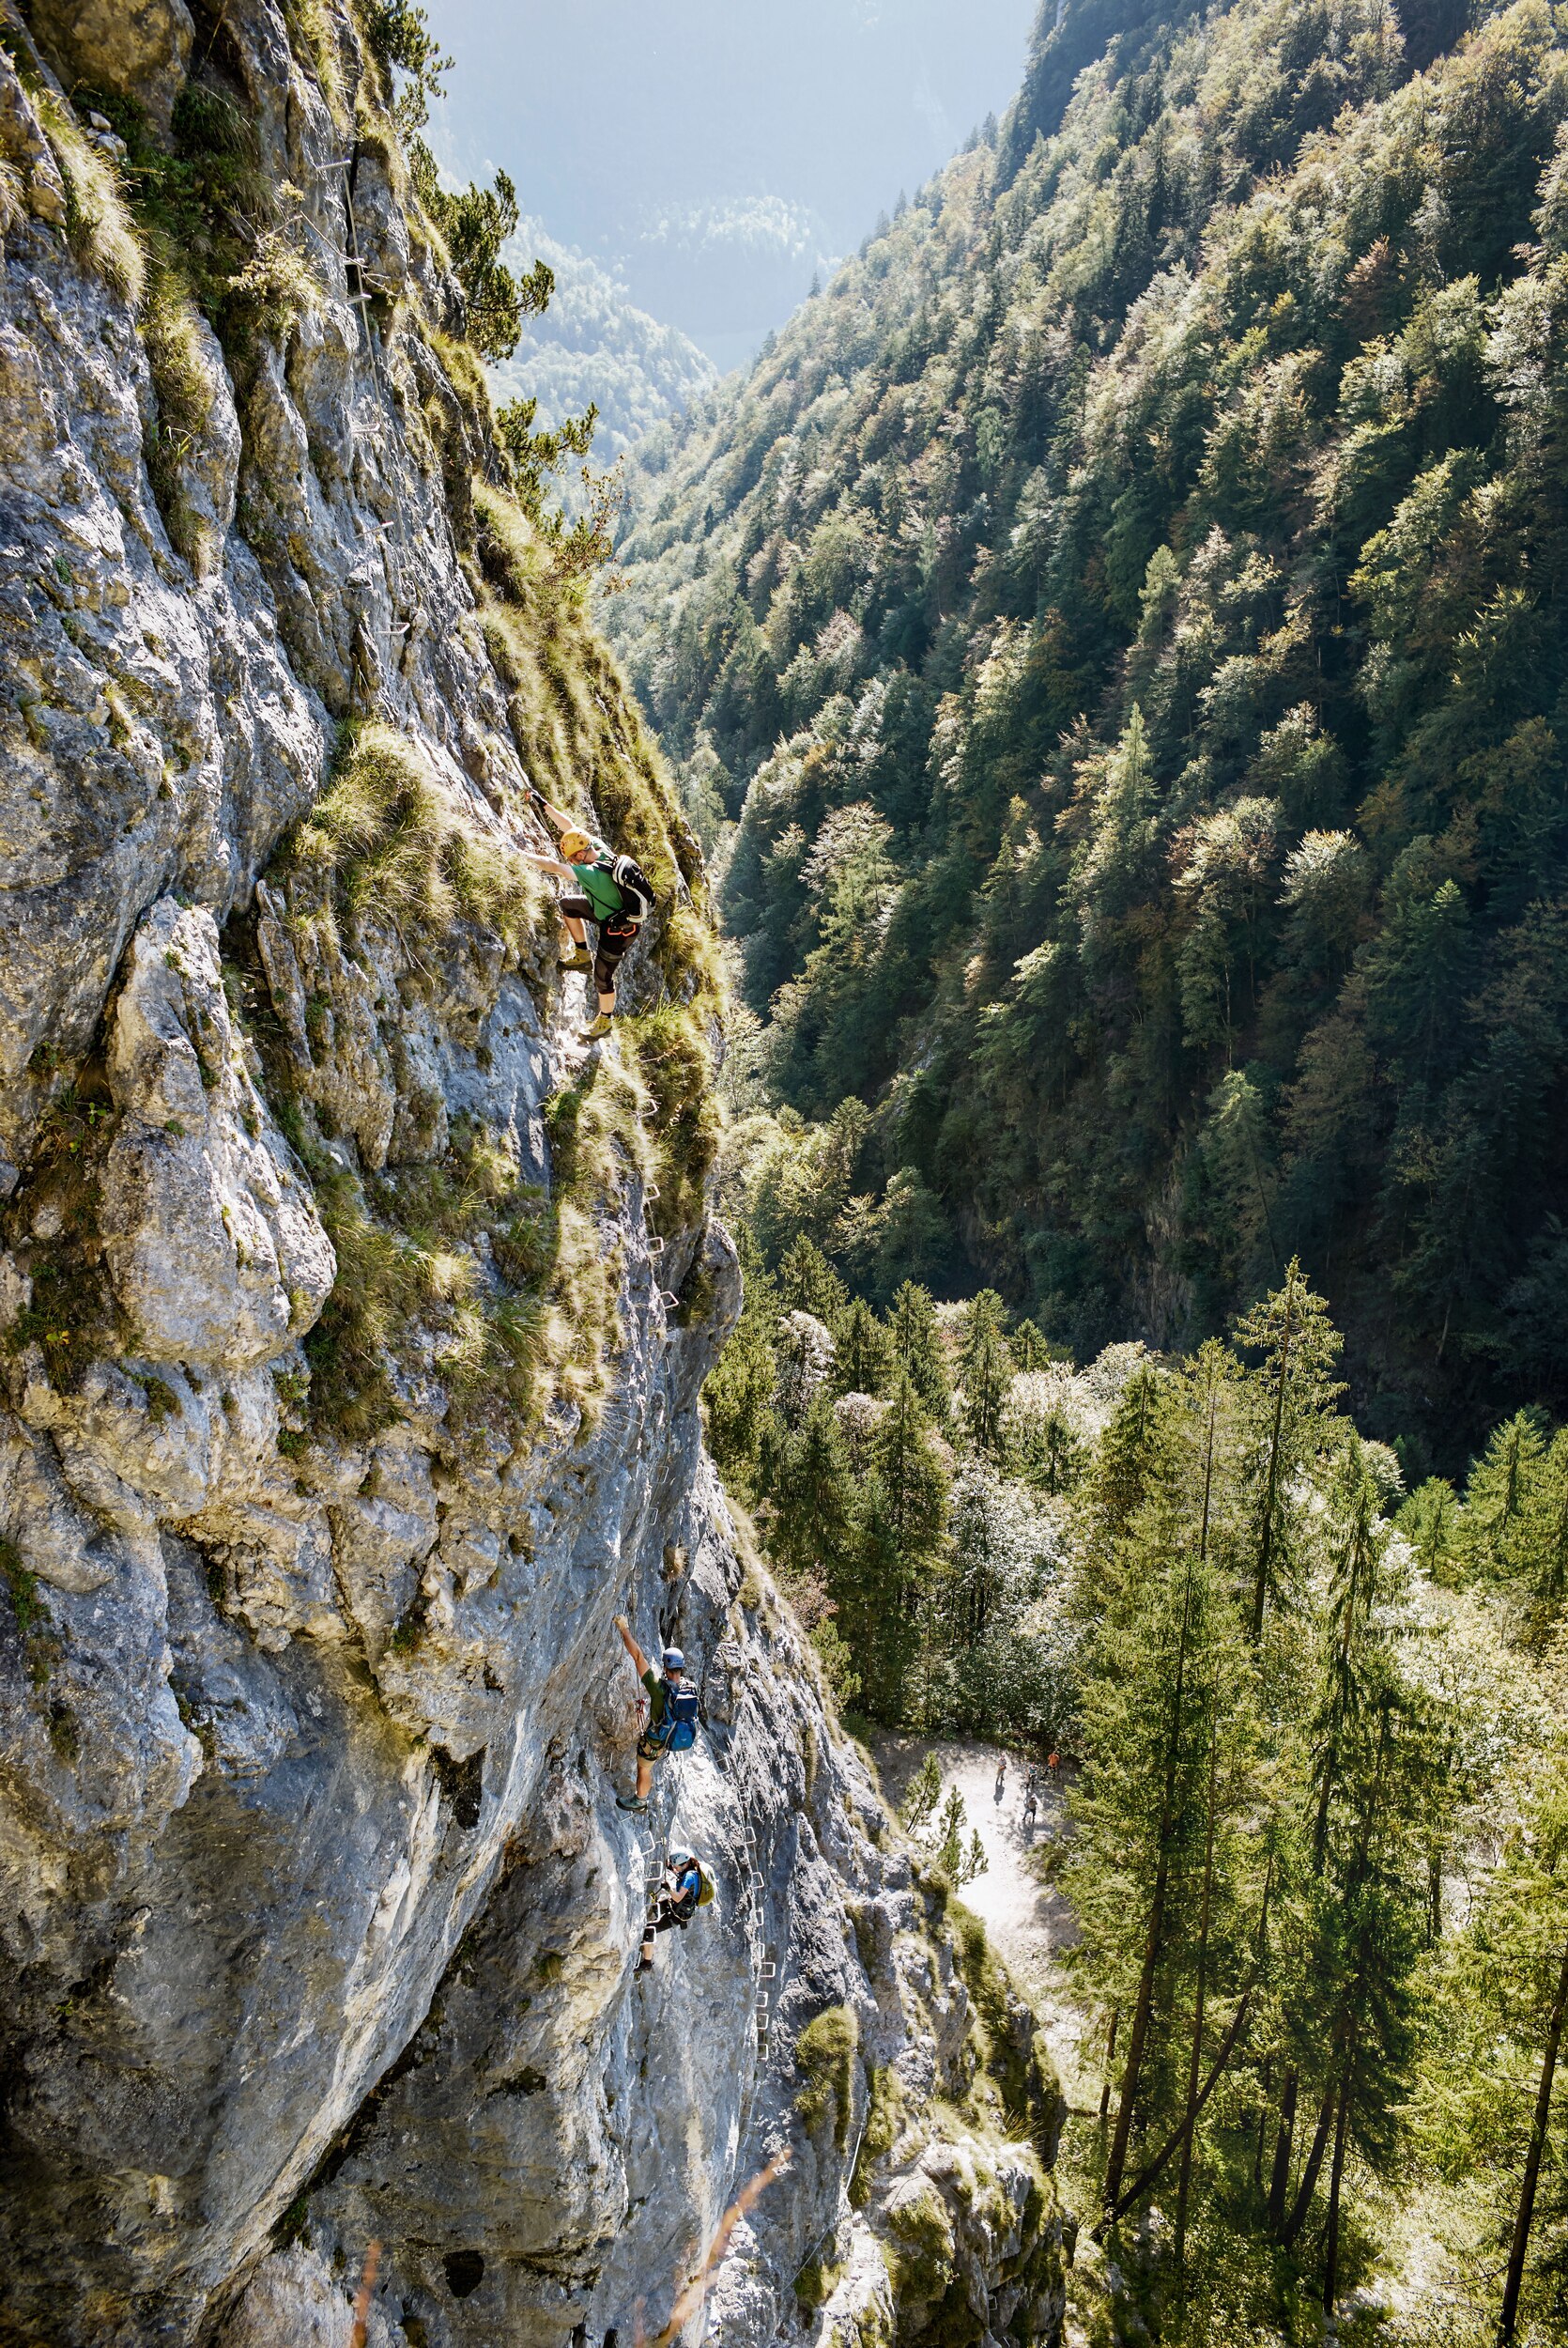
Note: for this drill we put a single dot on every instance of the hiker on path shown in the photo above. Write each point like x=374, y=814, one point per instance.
x=612, y=890
x=1001, y=1778
x=671, y=1713
x=685, y=1886
x=1031, y=1799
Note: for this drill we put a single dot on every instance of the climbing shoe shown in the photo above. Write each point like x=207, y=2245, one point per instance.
x=631, y=1801
x=600, y=1026
x=582, y=960
x=643, y=1965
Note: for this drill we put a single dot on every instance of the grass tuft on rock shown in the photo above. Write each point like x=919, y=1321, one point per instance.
x=825, y=2054
x=884, y=2124
x=817, y=2281
x=97, y=219
x=674, y=1062
x=311, y=38
x=1017, y=2086
x=35, y=1626
x=185, y=393
x=414, y=1294
x=385, y=840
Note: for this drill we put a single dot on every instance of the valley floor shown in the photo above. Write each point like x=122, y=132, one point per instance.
x=1425, y=2293
x=1028, y=1919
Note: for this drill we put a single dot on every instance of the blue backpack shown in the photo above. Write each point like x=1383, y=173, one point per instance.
x=677, y=1731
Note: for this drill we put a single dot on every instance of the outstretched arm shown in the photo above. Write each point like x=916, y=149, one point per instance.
x=558, y=815
x=547, y=864
x=639, y=1661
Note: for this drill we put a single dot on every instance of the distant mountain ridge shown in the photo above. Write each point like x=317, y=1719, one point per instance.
x=1124, y=618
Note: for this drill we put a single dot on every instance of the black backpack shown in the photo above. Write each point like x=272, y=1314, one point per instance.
x=636, y=890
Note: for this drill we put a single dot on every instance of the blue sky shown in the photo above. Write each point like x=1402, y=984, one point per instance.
x=715, y=153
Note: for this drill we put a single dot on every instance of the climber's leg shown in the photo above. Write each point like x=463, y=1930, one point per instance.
x=575, y=912
x=644, y=1785
x=614, y=939
x=660, y=1919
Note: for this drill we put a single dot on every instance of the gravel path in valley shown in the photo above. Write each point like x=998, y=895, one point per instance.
x=1028, y=1920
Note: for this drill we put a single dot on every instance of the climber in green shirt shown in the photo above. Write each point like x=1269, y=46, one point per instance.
x=610, y=890
x=673, y=1707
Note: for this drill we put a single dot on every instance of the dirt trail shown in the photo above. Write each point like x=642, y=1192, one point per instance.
x=1028, y=1920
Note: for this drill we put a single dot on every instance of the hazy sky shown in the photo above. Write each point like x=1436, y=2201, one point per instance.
x=716, y=152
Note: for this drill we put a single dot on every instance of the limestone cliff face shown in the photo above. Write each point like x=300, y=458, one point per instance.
x=355, y=1316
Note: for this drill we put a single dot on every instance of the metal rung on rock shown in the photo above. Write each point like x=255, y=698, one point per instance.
x=768, y=1972
x=668, y=1299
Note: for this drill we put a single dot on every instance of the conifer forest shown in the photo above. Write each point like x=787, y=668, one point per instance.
x=1112, y=645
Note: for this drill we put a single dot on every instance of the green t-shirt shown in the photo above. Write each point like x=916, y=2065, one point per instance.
x=600, y=891
x=655, y=1686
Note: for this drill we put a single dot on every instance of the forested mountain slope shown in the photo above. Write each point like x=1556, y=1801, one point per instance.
x=1124, y=618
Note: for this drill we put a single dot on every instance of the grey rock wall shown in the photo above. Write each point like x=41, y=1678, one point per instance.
x=316, y=1911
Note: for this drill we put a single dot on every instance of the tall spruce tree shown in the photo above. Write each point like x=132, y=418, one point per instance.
x=1492, y=2105
x=738, y=1395
x=1499, y=1494
x=806, y=1283
x=917, y=1343
x=1132, y=1450
x=886, y=1586
x=986, y=1369
x=812, y=1496
x=1293, y=1397
x=864, y=1355
x=1166, y=1662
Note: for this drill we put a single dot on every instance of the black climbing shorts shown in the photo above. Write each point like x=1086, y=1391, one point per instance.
x=669, y=1912
x=577, y=907
x=614, y=939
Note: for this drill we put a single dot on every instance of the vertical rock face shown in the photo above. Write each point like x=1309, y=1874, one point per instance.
x=354, y=1322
